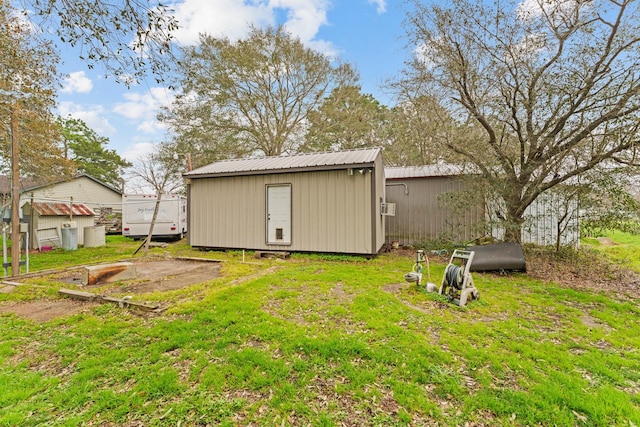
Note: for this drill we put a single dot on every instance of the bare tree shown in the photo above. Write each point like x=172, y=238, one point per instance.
x=28, y=81
x=156, y=172
x=553, y=87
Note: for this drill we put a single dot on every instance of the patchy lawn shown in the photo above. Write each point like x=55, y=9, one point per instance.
x=326, y=341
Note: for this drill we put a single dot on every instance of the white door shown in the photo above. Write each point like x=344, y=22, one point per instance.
x=279, y=214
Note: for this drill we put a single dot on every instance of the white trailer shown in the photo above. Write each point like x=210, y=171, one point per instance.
x=137, y=213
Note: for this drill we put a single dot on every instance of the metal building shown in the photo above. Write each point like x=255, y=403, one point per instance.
x=426, y=207
x=319, y=202
x=431, y=206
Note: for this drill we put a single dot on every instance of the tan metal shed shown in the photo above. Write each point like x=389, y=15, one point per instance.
x=319, y=202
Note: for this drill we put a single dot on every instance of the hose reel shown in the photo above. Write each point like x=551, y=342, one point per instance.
x=457, y=283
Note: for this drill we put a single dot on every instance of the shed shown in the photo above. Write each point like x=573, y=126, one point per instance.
x=430, y=207
x=47, y=218
x=427, y=208
x=319, y=202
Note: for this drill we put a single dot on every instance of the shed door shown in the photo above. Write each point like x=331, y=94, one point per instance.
x=279, y=214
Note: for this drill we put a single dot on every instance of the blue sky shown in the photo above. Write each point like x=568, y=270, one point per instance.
x=366, y=33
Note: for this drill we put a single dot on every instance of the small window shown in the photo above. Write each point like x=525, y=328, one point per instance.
x=279, y=234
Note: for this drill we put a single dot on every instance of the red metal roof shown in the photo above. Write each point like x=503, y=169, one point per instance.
x=62, y=209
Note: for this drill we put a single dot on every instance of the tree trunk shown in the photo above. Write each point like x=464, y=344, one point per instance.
x=153, y=222
x=514, y=220
x=147, y=240
x=512, y=231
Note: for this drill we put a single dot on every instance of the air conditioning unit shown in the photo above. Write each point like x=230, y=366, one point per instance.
x=388, y=209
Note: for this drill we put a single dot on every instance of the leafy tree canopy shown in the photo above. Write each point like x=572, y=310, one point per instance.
x=250, y=96
x=347, y=119
x=88, y=151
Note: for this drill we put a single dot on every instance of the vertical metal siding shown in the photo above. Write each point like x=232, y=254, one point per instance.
x=330, y=212
x=378, y=219
x=541, y=222
x=423, y=215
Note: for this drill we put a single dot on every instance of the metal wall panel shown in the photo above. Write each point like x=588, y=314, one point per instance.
x=56, y=222
x=541, y=222
x=423, y=212
x=331, y=211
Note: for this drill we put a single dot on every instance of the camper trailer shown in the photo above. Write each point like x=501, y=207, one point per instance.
x=137, y=213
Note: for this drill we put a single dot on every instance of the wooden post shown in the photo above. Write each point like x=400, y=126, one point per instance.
x=15, y=192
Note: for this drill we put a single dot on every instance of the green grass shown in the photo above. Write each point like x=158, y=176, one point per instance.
x=323, y=341
x=625, y=250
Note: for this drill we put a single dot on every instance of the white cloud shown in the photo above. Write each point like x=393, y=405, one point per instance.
x=304, y=17
x=219, y=18
x=231, y=18
x=144, y=107
x=77, y=82
x=93, y=115
x=424, y=54
x=151, y=127
x=556, y=9
x=381, y=5
x=138, y=150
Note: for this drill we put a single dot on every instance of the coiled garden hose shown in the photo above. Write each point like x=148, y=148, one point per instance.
x=453, y=276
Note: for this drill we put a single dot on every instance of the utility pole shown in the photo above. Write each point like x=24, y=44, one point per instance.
x=15, y=192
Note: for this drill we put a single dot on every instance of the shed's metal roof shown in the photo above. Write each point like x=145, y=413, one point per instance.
x=426, y=171
x=62, y=209
x=295, y=163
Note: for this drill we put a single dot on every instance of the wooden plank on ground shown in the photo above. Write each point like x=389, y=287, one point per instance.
x=7, y=282
x=125, y=302
x=189, y=258
x=81, y=295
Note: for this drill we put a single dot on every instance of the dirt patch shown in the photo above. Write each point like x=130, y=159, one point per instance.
x=43, y=311
x=582, y=271
x=152, y=276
